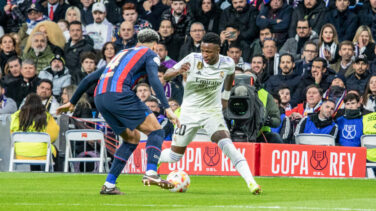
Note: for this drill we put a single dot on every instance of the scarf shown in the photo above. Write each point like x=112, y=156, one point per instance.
x=332, y=46
x=336, y=94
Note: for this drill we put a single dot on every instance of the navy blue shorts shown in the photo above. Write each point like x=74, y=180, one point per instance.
x=122, y=110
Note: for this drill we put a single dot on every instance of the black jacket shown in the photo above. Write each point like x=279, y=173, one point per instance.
x=353, y=83
x=4, y=58
x=59, y=13
x=245, y=19
x=19, y=89
x=188, y=47
x=154, y=17
x=173, y=44
x=181, y=28
x=210, y=20
x=345, y=23
x=368, y=17
x=316, y=17
x=73, y=53
x=291, y=80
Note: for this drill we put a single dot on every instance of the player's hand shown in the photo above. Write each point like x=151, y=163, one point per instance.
x=172, y=117
x=184, y=68
x=64, y=108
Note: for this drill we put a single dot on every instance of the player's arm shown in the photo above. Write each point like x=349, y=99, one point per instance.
x=89, y=80
x=155, y=83
x=172, y=73
x=227, y=89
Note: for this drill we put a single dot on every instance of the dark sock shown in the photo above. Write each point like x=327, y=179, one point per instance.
x=153, y=149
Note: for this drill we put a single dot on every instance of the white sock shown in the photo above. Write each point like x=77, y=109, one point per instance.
x=109, y=185
x=237, y=160
x=168, y=156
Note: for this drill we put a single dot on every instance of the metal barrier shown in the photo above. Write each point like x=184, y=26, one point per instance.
x=5, y=142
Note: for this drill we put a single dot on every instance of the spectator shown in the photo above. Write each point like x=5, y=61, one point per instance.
x=32, y=117
x=193, y=42
x=344, y=65
x=285, y=96
x=313, y=10
x=19, y=89
x=244, y=15
x=304, y=65
x=172, y=89
x=55, y=10
x=86, y=7
x=369, y=102
x=235, y=52
x=319, y=75
x=367, y=15
x=88, y=65
x=7, y=50
x=166, y=125
x=294, y=45
x=72, y=14
x=319, y=123
x=108, y=52
x=64, y=25
x=257, y=44
x=12, y=70
x=286, y=77
x=58, y=73
x=344, y=20
x=162, y=54
x=269, y=50
x=39, y=51
x=336, y=92
x=358, y=79
x=258, y=64
x=178, y=16
x=127, y=38
x=101, y=30
x=169, y=39
x=143, y=91
x=350, y=126
x=82, y=108
x=174, y=105
x=35, y=16
x=313, y=97
x=276, y=15
x=328, y=43
x=13, y=14
x=231, y=35
x=54, y=35
x=208, y=14
x=76, y=46
x=7, y=105
x=364, y=42
x=130, y=14
x=151, y=11
x=284, y=129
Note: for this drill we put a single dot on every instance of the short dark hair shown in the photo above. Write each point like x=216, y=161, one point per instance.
x=89, y=55
x=152, y=99
x=309, y=42
x=232, y=25
x=328, y=100
x=346, y=42
x=281, y=87
x=75, y=23
x=45, y=80
x=142, y=84
x=14, y=58
x=234, y=45
x=162, y=69
x=287, y=54
x=277, y=97
x=212, y=37
x=313, y=86
x=1, y=84
x=350, y=97
x=322, y=60
x=259, y=55
x=303, y=20
x=269, y=39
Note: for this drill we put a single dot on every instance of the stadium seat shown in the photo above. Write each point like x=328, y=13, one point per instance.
x=31, y=137
x=85, y=135
x=5, y=141
x=315, y=139
x=369, y=141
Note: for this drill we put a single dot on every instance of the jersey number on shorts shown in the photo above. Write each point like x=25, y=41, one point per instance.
x=180, y=131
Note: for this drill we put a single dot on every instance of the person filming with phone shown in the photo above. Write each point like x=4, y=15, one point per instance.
x=231, y=35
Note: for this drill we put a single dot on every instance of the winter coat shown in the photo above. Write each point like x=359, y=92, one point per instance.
x=181, y=27
x=173, y=44
x=42, y=60
x=345, y=23
x=246, y=20
x=59, y=12
x=19, y=89
x=291, y=45
x=368, y=17
x=353, y=83
x=210, y=20
x=86, y=15
x=188, y=47
x=153, y=16
x=59, y=79
x=119, y=45
x=316, y=17
x=292, y=80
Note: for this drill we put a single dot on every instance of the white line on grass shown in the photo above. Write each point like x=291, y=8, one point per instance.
x=187, y=206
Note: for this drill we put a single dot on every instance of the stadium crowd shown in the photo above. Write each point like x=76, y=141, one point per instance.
x=315, y=58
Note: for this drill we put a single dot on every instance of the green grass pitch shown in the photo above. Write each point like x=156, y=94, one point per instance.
x=56, y=191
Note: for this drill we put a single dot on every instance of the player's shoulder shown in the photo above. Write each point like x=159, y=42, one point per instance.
x=226, y=61
x=193, y=56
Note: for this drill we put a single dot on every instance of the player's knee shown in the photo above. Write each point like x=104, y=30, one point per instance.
x=219, y=135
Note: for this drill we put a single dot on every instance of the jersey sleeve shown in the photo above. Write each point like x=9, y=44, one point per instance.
x=231, y=66
x=152, y=71
x=188, y=59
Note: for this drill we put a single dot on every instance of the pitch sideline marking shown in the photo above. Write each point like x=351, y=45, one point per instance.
x=190, y=206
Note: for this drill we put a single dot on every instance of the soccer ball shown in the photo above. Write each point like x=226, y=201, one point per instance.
x=180, y=179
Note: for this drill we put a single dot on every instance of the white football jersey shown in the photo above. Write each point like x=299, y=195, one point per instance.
x=202, y=92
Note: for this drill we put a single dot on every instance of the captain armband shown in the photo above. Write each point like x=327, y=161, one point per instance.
x=226, y=95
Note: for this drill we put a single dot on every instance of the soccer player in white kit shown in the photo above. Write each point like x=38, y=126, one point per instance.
x=206, y=72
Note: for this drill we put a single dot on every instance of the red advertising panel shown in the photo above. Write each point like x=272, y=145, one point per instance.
x=312, y=161
x=201, y=158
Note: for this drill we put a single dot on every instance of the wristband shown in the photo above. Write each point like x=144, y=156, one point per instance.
x=226, y=95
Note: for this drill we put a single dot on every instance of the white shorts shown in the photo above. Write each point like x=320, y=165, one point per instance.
x=191, y=123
